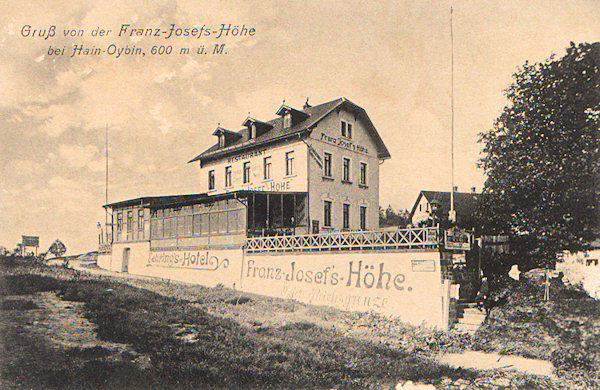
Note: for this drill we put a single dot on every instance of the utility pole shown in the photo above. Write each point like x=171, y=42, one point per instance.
x=106, y=187
x=452, y=212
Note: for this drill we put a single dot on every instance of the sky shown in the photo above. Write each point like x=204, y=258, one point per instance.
x=392, y=58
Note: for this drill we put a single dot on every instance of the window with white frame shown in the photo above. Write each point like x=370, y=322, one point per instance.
x=363, y=217
x=289, y=163
x=211, y=180
x=228, y=176
x=327, y=213
x=346, y=216
x=363, y=173
x=346, y=169
x=267, y=168
x=246, y=175
x=327, y=164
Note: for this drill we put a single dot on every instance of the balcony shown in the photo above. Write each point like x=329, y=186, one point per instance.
x=400, y=239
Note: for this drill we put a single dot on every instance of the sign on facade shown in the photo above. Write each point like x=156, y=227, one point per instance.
x=457, y=239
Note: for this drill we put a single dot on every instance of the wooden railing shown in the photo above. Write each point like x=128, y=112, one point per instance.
x=413, y=238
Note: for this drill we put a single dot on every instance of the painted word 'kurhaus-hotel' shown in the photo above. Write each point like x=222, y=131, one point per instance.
x=309, y=170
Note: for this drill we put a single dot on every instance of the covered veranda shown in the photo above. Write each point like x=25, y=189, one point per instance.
x=276, y=213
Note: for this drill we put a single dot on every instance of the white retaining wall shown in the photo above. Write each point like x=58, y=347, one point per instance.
x=405, y=284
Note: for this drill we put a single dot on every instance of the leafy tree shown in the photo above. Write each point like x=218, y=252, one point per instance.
x=57, y=248
x=389, y=217
x=541, y=158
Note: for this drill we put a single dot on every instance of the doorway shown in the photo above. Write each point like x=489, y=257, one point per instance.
x=125, y=266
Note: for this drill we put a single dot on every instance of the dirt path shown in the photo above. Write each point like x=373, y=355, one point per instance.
x=41, y=333
x=495, y=361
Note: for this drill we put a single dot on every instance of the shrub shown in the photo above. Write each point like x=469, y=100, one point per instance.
x=570, y=359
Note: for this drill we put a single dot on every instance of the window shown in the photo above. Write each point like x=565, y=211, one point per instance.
x=141, y=219
x=363, y=173
x=327, y=164
x=185, y=226
x=289, y=163
x=344, y=128
x=363, y=218
x=346, y=170
x=129, y=221
x=228, y=176
x=267, y=168
x=221, y=140
x=349, y=132
x=119, y=222
x=346, y=216
x=211, y=180
x=327, y=213
x=197, y=224
x=247, y=172
x=287, y=120
x=170, y=224
x=156, y=228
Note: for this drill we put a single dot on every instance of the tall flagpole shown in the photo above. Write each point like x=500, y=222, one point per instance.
x=452, y=213
x=106, y=186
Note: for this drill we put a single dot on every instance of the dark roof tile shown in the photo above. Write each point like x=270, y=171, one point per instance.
x=315, y=114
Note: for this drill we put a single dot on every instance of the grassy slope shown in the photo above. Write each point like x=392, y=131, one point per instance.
x=299, y=354
x=225, y=354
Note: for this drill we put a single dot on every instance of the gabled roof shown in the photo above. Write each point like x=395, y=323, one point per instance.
x=465, y=203
x=251, y=120
x=312, y=116
x=221, y=130
x=296, y=114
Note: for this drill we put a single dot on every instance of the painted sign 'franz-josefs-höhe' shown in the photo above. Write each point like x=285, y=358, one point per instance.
x=356, y=274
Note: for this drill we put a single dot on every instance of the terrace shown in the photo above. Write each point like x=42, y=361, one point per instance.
x=398, y=239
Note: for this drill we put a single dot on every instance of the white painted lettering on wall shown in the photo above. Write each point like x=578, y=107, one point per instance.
x=284, y=185
x=356, y=275
x=334, y=298
x=344, y=143
x=188, y=259
x=245, y=156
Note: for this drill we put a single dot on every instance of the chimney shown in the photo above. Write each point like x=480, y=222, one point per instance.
x=473, y=189
x=306, y=105
x=455, y=188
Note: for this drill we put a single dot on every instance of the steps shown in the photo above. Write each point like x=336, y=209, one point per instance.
x=469, y=317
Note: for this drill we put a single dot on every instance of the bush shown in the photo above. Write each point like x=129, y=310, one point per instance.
x=26, y=284
x=570, y=359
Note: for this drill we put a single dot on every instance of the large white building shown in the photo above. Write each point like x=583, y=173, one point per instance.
x=309, y=170
x=288, y=207
x=327, y=156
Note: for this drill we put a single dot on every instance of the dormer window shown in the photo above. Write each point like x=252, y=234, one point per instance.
x=256, y=128
x=287, y=120
x=291, y=116
x=225, y=137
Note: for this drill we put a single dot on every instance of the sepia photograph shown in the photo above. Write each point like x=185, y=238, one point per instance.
x=236, y=194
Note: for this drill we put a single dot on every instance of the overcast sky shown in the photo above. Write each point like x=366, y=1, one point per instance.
x=392, y=58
